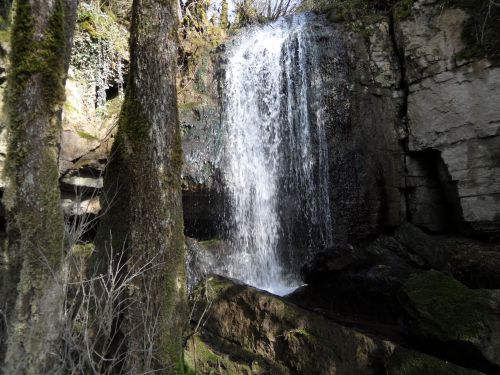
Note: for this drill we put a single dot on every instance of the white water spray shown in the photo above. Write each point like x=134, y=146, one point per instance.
x=275, y=155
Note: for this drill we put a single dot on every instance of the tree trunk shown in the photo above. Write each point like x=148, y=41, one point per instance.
x=41, y=40
x=143, y=187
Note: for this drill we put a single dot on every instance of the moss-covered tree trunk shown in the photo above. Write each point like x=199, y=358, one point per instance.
x=31, y=284
x=143, y=178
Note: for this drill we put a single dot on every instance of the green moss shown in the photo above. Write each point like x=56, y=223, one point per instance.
x=224, y=15
x=89, y=28
x=407, y=362
x=200, y=353
x=402, y=9
x=133, y=124
x=30, y=57
x=83, y=250
x=189, y=106
x=444, y=307
x=114, y=106
x=236, y=361
x=216, y=286
x=103, y=26
x=301, y=331
x=5, y=36
x=87, y=136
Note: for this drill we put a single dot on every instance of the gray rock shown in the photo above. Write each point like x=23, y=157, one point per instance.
x=453, y=111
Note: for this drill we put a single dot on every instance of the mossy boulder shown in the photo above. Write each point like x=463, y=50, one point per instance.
x=249, y=325
x=445, y=310
x=202, y=357
x=408, y=362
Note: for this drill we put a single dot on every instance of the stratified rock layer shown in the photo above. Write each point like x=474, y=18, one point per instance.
x=453, y=111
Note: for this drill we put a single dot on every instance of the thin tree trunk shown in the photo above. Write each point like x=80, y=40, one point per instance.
x=41, y=40
x=145, y=216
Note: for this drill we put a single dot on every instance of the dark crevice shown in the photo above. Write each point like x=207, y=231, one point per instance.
x=403, y=113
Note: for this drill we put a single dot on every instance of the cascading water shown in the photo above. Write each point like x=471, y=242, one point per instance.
x=275, y=156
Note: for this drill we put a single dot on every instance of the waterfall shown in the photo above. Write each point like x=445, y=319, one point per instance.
x=275, y=158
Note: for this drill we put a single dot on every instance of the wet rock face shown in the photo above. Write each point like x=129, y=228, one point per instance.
x=366, y=159
x=200, y=124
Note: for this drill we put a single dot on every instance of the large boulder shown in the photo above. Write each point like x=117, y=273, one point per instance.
x=446, y=311
x=477, y=269
x=238, y=329
x=365, y=279
x=260, y=333
x=408, y=362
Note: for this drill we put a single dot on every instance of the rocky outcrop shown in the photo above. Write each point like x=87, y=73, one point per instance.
x=200, y=124
x=366, y=159
x=446, y=311
x=453, y=115
x=264, y=334
x=202, y=256
x=388, y=287
x=241, y=330
x=359, y=284
x=420, y=125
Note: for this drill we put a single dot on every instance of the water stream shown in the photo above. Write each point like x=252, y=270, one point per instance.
x=275, y=155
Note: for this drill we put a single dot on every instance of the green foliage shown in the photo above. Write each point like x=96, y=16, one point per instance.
x=198, y=39
x=224, y=15
x=247, y=14
x=481, y=32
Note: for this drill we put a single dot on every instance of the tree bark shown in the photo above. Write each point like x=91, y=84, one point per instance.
x=143, y=187
x=31, y=284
